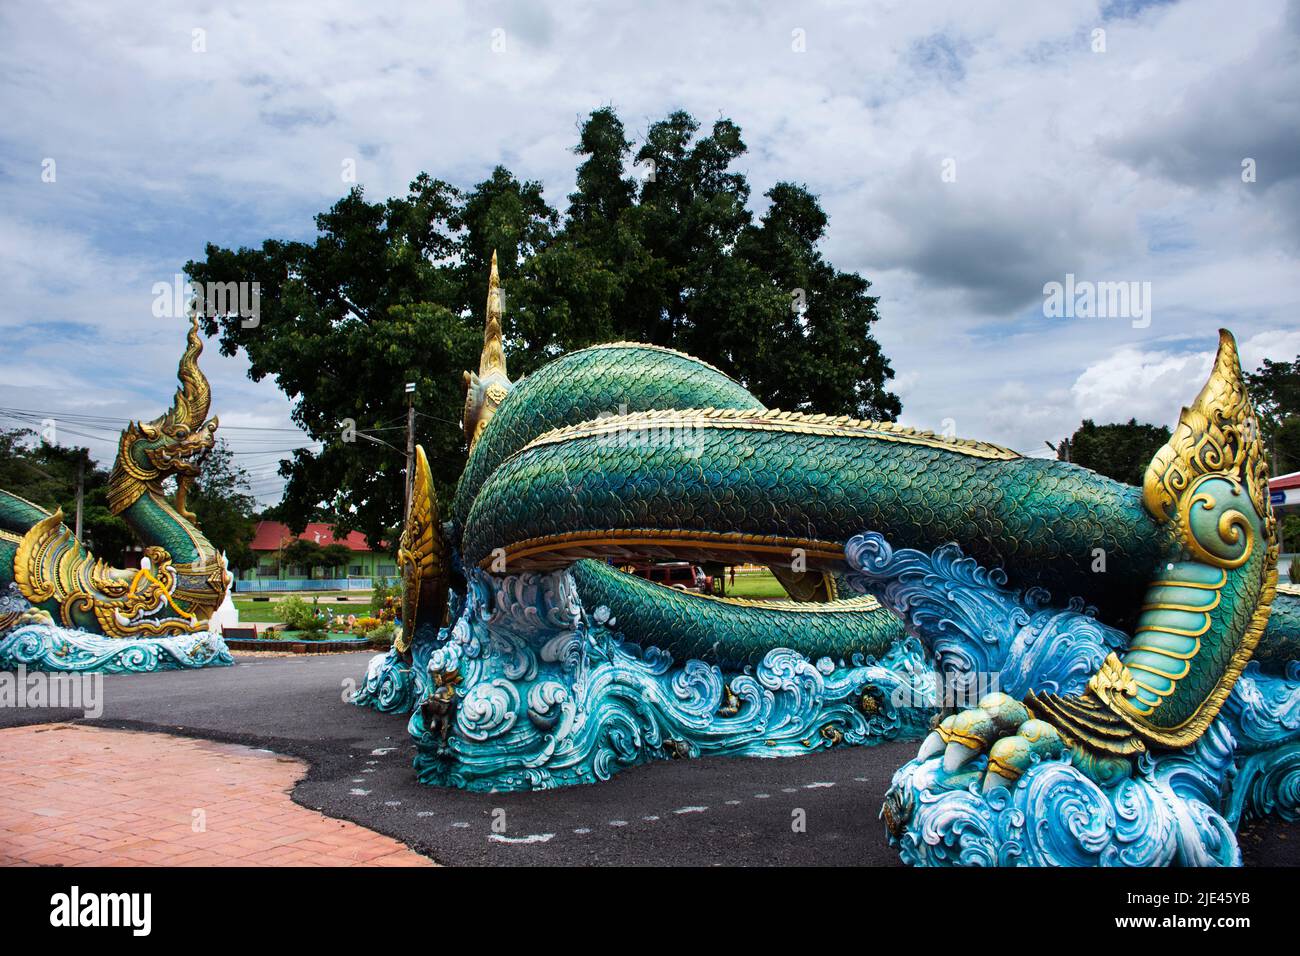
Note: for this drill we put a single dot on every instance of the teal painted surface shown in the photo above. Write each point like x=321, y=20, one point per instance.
x=550, y=694
x=687, y=626
x=1040, y=520
x=584, y=385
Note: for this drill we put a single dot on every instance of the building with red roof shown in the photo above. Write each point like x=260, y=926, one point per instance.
x=271, y=537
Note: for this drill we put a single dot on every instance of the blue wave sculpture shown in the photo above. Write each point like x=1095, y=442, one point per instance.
x=1181, y=807
x=48, y=647
x=547, y=693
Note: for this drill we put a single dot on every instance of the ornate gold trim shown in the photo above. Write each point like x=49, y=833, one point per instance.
x=806, y=586
x=184, y=424
x=1217, y=434
x=422, y=555
x=758, y=545
x=771, y=420
x=855, y=605
x=50, y=566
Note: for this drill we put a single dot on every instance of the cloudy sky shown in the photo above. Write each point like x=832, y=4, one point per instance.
x=967, y=154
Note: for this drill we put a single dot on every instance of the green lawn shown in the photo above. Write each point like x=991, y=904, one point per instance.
x=759, y=584
x=261, y=612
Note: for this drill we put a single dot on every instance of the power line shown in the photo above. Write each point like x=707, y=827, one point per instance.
x=437, y=418
x=106, y=420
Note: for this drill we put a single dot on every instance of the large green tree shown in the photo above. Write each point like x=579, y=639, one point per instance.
x=658, y=244
x=1121, y=451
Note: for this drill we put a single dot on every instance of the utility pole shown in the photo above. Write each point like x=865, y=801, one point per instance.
x=1063, y=451
x=410, y=445
x=81, y=489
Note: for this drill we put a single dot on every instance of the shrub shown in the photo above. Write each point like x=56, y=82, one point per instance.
x=378, y=595
x=386, y=598
x=298, y=615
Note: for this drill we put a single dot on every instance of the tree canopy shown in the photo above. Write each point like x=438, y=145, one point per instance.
x=1275, y=388
x=1121, y=451
x=657, y=245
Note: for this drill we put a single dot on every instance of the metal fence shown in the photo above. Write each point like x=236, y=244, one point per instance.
x=304, y=584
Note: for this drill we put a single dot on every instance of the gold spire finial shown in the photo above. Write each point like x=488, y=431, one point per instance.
x=494, y=356
x=488, y=389
x=194, y=397
x=1217, y=433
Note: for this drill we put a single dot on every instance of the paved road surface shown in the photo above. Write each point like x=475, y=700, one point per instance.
x=700, y=812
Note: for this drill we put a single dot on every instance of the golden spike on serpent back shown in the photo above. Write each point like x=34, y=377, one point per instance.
x=423, y=557
x=487, y=389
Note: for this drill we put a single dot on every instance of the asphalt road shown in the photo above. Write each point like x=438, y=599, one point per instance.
x=717, y=811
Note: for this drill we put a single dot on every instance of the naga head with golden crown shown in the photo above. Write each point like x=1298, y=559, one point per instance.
x=174, y=444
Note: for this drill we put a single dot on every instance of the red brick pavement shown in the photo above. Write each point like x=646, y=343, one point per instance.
x=86, y=796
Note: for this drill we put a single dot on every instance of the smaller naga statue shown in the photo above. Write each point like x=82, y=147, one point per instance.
x=61, y=608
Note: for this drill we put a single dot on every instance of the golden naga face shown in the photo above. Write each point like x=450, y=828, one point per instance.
x=160, y=449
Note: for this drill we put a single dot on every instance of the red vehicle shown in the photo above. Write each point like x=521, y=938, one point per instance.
x=680, y=575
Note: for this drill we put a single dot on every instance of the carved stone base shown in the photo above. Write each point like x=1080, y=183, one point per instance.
x=1181, y=808
x=51, y=648
x=529, y=690
x=1178, y=807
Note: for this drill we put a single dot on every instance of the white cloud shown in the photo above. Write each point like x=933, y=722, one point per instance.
x=1104, y=165
x=1152, y=386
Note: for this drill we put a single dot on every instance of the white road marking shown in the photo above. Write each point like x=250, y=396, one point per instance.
x=424, y=813
x=461, y=826
x=733, y=803
x=818, y=785
x=618, y=823
x=358, y=792
x=531, y=838
x=690, y=809
x=381, y=751
x=582, y=830
x=650, y=819
x=761, y=796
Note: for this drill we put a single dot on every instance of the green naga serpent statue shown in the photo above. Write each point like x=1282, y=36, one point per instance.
x=1064, y=643
x=63, y=609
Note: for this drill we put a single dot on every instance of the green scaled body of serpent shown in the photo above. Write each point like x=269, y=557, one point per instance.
x=574, y=464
